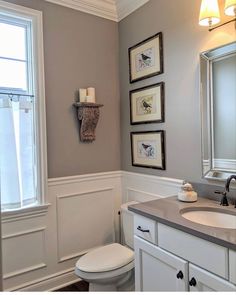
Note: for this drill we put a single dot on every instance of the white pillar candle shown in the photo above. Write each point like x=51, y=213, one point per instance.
x=91, y=92
x=82, y=94
x=89, y=99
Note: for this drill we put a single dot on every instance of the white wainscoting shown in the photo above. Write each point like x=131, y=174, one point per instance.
x=14, y=249
x=40, y=251
x=143, y=187
x=84, y=221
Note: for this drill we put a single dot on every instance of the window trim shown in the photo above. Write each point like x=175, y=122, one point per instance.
x=24, y=213
x=39, y=86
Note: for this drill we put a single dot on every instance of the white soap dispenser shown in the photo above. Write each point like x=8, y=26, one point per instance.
x=187, y=194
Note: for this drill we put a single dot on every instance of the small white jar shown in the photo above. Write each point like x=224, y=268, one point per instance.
x=187, y=194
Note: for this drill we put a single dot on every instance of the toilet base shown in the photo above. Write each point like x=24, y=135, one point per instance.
x=101, y=288
x=124, y=285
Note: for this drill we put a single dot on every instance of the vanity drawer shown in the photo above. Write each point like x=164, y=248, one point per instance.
x=232, y=266
x=209, y=256
x=145, y=228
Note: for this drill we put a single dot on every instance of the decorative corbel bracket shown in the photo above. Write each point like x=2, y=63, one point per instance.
x=88, y=115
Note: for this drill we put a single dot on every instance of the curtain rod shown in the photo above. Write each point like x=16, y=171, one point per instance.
x=16, y=94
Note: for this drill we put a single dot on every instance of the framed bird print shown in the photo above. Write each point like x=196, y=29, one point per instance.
x=148, y=149
x=147, y=104
x=146, y=58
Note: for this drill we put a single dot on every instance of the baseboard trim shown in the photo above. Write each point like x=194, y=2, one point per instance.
x=49, y=283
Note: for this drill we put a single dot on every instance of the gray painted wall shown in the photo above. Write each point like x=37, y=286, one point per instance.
x=81, y=50
x=184, y=39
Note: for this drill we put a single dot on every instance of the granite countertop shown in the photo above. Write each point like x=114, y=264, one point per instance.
x=167, y=211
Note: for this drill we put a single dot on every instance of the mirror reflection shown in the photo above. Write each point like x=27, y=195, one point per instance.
x=218, y=107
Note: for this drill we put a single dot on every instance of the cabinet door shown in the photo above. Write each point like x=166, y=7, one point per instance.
x=202, y=280
x=158, y=270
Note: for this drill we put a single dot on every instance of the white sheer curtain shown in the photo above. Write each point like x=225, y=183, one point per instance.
x=17, y=163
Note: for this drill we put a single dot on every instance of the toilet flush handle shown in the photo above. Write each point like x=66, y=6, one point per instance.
x=143, y=230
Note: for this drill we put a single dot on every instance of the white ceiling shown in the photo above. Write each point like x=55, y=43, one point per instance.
x=114, y=10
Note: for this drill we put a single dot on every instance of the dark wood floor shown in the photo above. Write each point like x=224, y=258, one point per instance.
x=81, y=286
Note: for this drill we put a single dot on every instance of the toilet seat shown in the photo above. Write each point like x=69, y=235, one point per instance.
x=105, y=259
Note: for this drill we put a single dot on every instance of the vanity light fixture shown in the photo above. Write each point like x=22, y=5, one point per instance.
x=210, y=13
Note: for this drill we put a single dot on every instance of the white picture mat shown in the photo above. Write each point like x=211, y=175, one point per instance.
x=155, y=43
x=145, y=138
x=156, y=92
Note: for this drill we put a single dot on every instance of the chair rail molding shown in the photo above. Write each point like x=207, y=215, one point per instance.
x=83, y=177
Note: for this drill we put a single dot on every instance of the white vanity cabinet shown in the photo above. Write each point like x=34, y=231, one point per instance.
x=207, y=282
x=177, y=261
x=158, y=270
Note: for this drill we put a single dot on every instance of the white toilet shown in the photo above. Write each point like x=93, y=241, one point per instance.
x=111, y=267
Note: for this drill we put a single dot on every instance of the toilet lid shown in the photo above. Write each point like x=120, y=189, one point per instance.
x=105, y=258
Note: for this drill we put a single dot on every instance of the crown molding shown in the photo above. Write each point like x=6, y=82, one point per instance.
x=124, y=7
x=102, y=8
x=114, y=10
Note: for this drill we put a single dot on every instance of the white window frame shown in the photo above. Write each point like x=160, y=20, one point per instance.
x=39, y=90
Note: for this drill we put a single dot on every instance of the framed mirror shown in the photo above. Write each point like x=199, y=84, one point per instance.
x=218, y=111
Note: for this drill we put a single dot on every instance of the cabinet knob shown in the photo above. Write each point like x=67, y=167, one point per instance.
x=143, y=230
x=180, y=275
x=192, y=282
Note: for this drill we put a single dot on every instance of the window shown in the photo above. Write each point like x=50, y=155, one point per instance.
x=22, y=109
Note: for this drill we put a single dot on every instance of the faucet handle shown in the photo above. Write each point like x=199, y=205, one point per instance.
x=224, y=201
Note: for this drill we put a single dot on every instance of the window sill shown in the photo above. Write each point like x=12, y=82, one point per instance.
x=24, y=213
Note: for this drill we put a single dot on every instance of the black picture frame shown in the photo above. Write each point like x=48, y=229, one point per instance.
x=157, y=68
x=146, y=158
x=158, y=101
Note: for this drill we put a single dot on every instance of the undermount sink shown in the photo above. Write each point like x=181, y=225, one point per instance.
x=211, y=217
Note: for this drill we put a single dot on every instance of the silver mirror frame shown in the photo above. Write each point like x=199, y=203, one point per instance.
x=208, y=170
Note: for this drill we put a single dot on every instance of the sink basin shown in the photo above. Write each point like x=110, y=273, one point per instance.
x=210, y=217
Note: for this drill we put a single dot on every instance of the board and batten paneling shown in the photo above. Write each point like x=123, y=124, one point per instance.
x=143, y=188
x=84, y=221
x=19, y=259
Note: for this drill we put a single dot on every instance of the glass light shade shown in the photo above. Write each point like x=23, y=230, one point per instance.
x=209, y=13
x=230, y=7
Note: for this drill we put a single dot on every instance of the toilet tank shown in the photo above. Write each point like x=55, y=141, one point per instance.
x=127, y=224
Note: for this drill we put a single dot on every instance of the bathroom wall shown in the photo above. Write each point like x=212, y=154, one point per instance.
x=40, y=247
x=81, y=50
x=184, y=39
